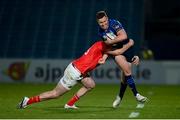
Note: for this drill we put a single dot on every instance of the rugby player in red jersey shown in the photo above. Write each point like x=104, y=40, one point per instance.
x=77, y=71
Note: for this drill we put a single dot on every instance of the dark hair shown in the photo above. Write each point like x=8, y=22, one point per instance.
x=100, y=14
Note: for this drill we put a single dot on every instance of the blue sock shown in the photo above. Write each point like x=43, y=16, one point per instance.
x=130, y=82
x=122, y=89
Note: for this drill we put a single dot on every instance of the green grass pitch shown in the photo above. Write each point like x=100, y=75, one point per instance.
x=164, y=102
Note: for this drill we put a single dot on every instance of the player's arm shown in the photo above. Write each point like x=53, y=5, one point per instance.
x=121, y=36
x=135, y=60
x=121, y=50
x=103, y=59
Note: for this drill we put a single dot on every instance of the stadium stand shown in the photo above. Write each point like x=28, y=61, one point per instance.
x=60, y=29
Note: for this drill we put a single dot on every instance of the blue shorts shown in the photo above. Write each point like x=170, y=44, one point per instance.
x=129, y=54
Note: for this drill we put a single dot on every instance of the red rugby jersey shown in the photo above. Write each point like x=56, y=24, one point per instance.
x=89, y=60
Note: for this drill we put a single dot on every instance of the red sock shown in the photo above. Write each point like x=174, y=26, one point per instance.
x=73, y=100
x=33, y=100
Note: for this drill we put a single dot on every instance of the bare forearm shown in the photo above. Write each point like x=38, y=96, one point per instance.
x=118, y=39
x=121, y=36
x=121, y=50
x=103, y=59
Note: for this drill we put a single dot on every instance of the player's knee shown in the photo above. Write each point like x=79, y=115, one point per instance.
x=127, y=72
x=88, y=83
x=91, y=85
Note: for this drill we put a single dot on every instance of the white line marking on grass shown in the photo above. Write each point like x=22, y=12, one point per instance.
x=140, y=105
x=134, y=115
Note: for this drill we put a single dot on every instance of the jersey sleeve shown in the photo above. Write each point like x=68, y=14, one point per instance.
x=117, y=25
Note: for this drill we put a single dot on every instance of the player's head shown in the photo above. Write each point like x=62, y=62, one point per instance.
x=102, y=20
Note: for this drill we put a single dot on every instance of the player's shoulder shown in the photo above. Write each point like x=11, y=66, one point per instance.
x=114, y=22
x=99, y=42
x=96, y=45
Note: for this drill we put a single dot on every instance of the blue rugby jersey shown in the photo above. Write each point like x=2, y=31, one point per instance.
x=111, y=32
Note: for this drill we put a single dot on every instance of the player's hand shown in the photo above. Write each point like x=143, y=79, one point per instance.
x=108, y=41
x=135, y=60
x=131, y=41
x=101, y=61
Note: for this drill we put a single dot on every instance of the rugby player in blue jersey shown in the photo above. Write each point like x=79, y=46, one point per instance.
x=113, y=33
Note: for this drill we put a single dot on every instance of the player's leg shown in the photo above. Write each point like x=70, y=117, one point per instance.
x=126, y=67
x=55, y=93
x=64, y=85
x=123, y=85
x=75, y=98
x=59, y=90
x=122, y=89
x=88, y=84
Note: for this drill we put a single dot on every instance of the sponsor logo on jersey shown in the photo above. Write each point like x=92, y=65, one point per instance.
x=117, y=26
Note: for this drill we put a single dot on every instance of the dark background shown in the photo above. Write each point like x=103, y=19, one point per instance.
x=162, y=28
x=64, y=29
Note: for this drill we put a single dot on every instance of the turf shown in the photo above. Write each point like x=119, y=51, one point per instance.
x=164, y=102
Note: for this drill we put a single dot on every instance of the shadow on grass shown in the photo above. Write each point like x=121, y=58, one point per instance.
x=82, y=109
